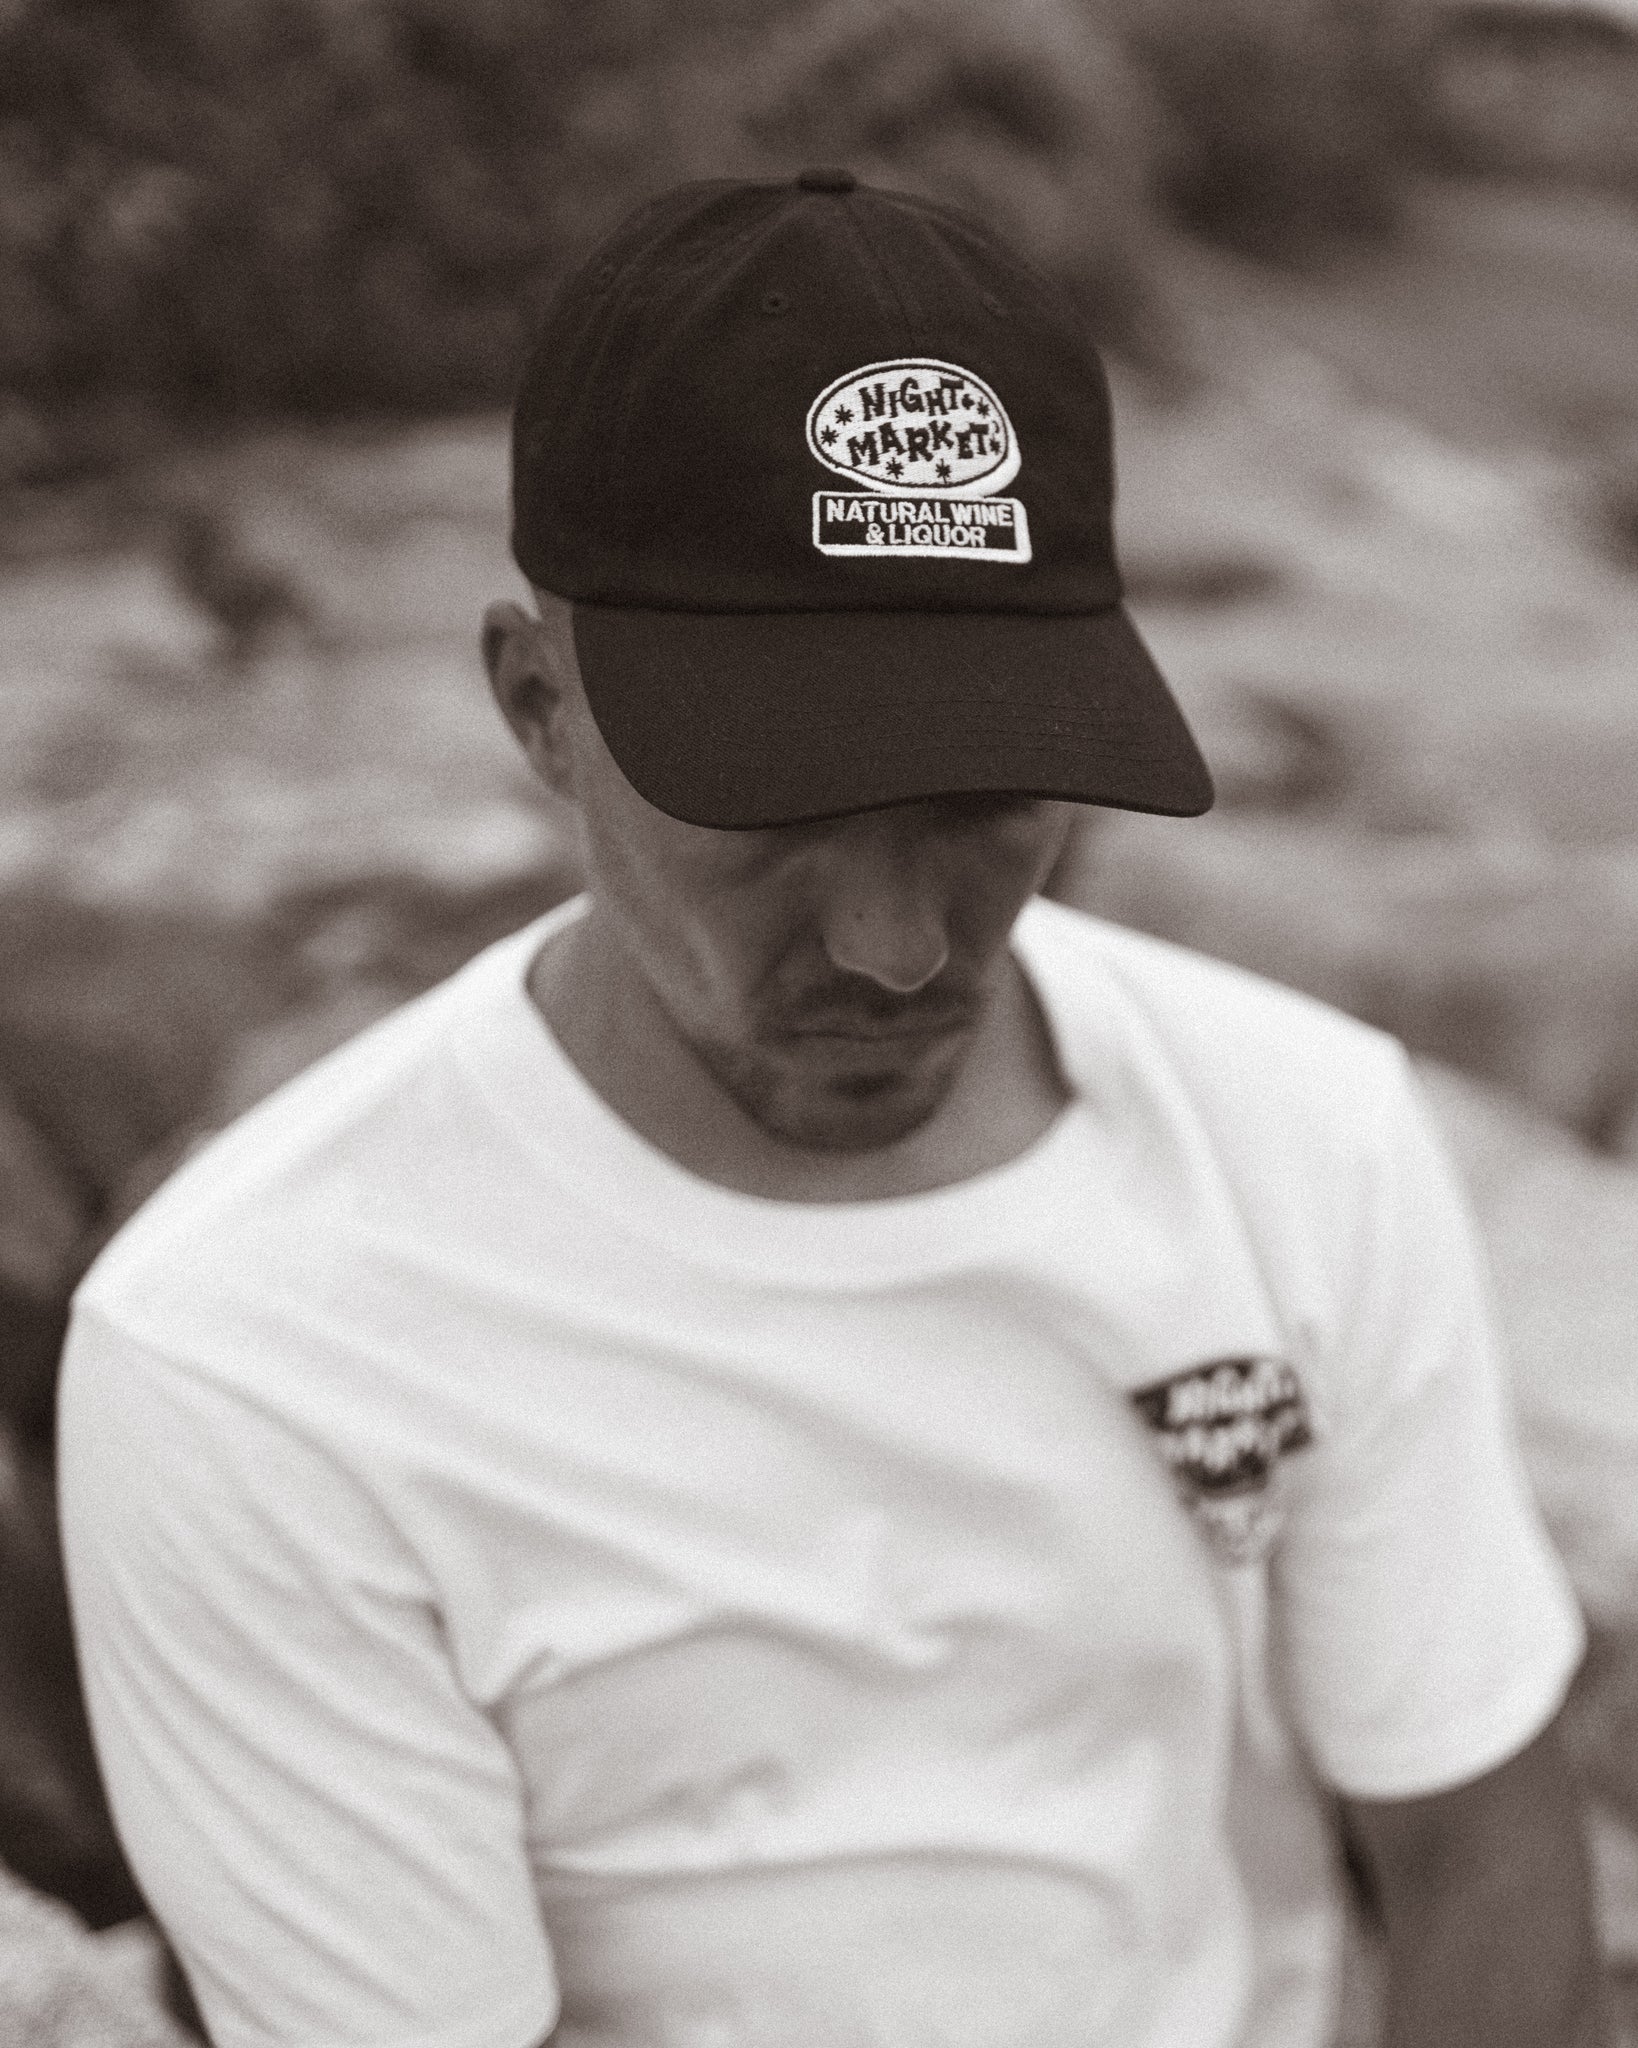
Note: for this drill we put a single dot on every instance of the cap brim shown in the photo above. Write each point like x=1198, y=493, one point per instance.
x=742, y=720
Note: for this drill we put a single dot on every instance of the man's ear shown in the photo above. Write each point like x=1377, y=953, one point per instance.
x=526, y=670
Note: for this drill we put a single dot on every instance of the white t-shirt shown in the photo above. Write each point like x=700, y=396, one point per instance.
x=519, y=1581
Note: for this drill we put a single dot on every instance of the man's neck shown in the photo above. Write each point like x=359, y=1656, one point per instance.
x=1006, y=1094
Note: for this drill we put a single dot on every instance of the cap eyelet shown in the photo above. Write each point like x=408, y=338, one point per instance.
x=776, y=302
x=992, y=304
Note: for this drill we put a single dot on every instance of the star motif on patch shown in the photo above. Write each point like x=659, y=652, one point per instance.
x=827, y=435
x=942, y=472
x=895, y=468
x=843, y=415
x=982, y=409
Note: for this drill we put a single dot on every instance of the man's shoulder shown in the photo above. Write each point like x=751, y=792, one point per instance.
x=1270, y=1070
x=1194, y=1000
x=296, y=1173
x=1308, y=1115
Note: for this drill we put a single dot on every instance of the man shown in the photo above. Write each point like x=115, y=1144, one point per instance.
x=813, y=1451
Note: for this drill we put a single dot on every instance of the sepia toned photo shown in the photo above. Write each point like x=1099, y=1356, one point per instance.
x=819, y=1024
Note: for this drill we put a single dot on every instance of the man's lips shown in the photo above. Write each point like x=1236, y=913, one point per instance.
x=908, y=1030
x=876, y=1034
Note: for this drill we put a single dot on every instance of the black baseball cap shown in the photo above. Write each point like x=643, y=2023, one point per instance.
x=826, y=473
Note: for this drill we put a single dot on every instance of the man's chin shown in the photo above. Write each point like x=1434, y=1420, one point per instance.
x=848, y=1126
x=858, y=1111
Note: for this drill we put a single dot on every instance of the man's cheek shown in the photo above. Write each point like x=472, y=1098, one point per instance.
x=984, y=919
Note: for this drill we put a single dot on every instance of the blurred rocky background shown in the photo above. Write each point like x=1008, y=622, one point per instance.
x=1368, y=274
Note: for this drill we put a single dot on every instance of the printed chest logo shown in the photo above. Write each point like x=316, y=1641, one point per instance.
x=932, y=445
x=1224, y=1429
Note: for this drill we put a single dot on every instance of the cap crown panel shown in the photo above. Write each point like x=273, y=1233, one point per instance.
x=661, y=438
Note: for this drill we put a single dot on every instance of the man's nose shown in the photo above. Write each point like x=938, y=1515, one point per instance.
x=884, y=918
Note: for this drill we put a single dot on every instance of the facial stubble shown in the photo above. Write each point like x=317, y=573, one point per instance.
x=847, y=1068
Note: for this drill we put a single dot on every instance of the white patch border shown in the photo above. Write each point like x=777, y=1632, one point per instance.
x=893, y=551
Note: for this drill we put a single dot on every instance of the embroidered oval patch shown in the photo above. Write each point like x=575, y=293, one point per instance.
x=915, y=424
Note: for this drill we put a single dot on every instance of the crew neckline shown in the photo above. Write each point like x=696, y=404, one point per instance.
x=529, y=1081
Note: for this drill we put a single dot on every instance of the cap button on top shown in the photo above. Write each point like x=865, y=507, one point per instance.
x=826, y=178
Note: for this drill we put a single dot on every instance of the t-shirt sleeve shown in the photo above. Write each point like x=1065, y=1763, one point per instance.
x=327, y=1827
x=1425, y=1629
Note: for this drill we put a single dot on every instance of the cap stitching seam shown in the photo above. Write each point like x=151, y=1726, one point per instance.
x=909, y=334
